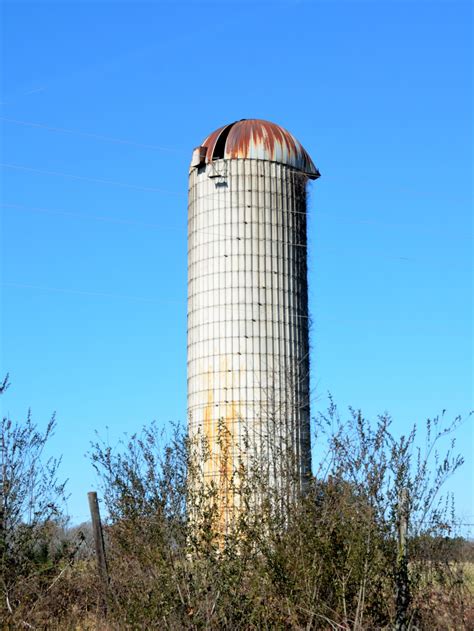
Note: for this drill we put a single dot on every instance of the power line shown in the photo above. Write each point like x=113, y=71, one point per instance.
x=105, y=218
x=67, y=290
x=148, y=189
x=101, y=294
x=116, y=220
x=182, y=193
x=183, y=229
x=137, y=223
x=64, y=130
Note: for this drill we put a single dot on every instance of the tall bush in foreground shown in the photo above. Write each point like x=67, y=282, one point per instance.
x=329, y=561
x=33, y=548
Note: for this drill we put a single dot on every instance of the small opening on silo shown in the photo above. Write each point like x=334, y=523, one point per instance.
x=219, y=147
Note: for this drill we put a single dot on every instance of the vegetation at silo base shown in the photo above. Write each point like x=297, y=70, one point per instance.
x=331, y=560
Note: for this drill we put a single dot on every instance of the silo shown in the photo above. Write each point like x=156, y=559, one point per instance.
x=248, y=346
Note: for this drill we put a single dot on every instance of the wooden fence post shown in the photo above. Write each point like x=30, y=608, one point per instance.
x=403, y=586
x=99, y=543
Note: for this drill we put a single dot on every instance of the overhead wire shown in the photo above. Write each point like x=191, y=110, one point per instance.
x=148, y=189
x=161, y=227
x=108, y=219
x=143, y=145
x=152, y=189
x=124, y=221
x=105, y=218
x=78, y=215
x=101, y=294
x=86, y=134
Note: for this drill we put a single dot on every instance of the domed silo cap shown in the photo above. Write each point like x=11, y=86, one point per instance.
x=255, y=139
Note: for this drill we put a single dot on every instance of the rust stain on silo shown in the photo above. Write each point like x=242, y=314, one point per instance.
x=220, y=464
x=242, y=138
x=226, y=465
x=209, y=429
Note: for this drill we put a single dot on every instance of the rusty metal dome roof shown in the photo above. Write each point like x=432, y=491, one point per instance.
x=259, y=140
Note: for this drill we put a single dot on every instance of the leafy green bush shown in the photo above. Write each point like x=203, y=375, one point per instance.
x=329, y=560
x=33, y=548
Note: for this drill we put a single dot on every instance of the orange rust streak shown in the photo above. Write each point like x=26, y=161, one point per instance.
x=226, y=467
x=209, y=424
x=220, y=464
x=252, y=132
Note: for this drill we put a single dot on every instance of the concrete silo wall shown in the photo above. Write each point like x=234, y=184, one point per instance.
x=248, y=349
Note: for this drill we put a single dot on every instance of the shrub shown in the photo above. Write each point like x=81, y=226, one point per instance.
x=330, y=560
x=33, y=547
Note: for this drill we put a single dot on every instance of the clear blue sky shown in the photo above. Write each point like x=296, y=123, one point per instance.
x=94, y=266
